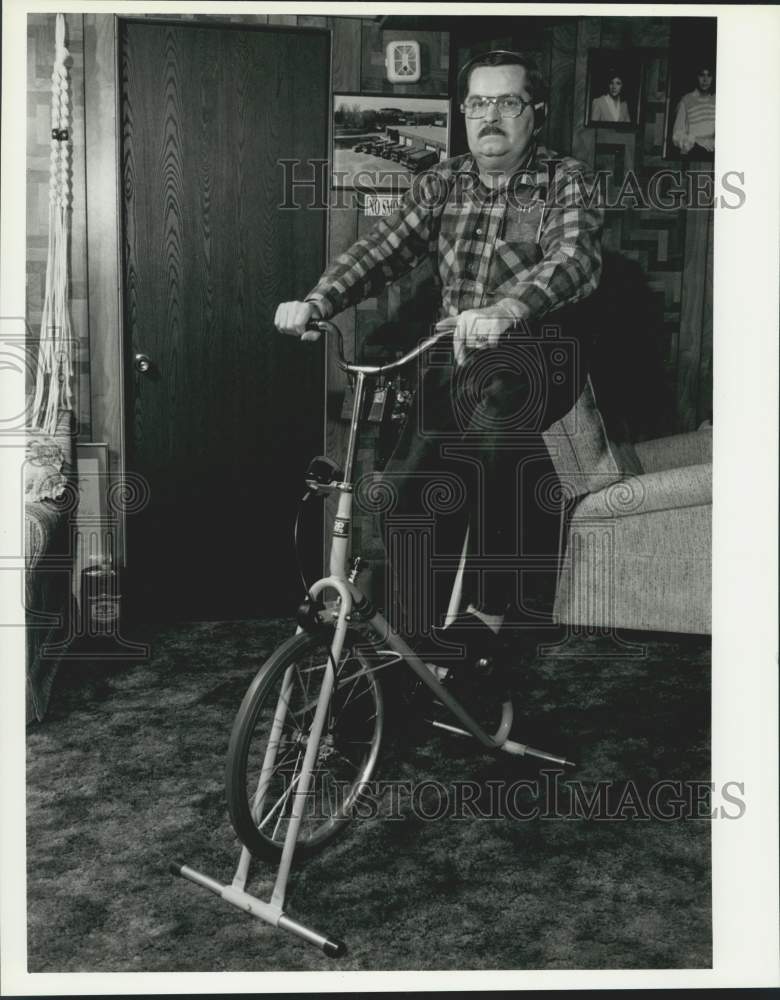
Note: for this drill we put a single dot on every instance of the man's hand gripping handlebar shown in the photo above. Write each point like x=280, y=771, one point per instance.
x=473, y=330
x=315, y=327
x=298, y=319
x=442, y=329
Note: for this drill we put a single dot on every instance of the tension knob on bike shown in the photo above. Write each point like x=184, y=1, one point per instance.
x=324, y=470
x=307, y=615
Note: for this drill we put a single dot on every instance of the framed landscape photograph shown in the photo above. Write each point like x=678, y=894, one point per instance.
x=613, y=89
x=381, y=141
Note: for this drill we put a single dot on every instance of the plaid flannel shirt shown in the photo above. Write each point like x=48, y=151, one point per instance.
x=525, y=248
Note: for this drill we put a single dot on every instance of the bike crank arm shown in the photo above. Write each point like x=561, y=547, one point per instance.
x=272, y=914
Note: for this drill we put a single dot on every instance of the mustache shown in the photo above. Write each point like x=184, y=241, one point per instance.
x=491, y=130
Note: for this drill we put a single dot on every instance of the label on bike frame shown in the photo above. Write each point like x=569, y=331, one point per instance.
x=341, y=527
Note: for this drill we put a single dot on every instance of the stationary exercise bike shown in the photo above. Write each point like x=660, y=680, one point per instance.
x=309, y=732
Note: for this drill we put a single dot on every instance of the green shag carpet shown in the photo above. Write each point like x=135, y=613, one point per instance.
x=125, y=775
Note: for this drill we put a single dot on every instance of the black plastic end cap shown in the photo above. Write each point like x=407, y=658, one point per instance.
x=175, y=868
x=334, y=949
x=308, y=615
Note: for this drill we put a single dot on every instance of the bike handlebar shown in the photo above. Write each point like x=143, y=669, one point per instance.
x=443, y=327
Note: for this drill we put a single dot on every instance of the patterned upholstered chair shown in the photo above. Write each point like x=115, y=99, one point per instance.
x=638, y=528
x=49, y=493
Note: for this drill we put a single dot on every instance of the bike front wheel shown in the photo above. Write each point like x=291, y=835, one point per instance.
x=271, y=734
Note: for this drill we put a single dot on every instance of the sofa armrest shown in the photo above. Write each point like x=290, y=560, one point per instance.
x=669, y=489
x=676, y=451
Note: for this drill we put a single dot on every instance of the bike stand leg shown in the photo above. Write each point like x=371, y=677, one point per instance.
x=509, y=746
x=265, y=911
x=523, y=750
x=236, y=894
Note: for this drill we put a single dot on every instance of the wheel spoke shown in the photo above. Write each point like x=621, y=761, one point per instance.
x=290, y=709
x=304, y=688
x=274, y=725
x=279, y=765
x=367, y=690
x=283, y=800
x=352, y=690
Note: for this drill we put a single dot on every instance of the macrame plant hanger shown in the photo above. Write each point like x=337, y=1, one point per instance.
x=53, y=383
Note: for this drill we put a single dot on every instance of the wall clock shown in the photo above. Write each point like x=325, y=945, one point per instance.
x=402, y=61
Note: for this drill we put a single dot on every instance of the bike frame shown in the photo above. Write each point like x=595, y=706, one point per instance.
x=351, y=601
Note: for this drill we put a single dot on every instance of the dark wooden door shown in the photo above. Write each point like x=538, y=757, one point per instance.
x=226, y=418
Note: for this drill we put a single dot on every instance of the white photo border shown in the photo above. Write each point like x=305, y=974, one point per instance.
x=745, y=634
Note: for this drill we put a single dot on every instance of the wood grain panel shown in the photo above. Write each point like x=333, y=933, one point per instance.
x=654, y=240
x=346, y=54
x=343, y=233
x=563, y=57
x=654, y=88
x=251, y=20
x=103, y=213
x=615, y=151
x=312, y=21
x=671, y=245
x=544, y=60
x=691, y=317
x=210, y=252
x=650, y=32
x=705, y=364
x=615, y=33
x=103, y=306
x=583, y=140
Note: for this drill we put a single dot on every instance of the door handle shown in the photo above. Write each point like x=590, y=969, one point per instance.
x=142, y=363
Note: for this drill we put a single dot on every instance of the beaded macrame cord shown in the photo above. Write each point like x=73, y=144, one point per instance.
x=53, y=387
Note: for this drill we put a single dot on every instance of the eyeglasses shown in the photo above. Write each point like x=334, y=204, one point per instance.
x=507, y=105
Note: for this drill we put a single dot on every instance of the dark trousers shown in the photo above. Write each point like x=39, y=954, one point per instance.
x=471, y=453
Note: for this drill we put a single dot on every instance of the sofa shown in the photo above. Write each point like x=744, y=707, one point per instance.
x=50, y=499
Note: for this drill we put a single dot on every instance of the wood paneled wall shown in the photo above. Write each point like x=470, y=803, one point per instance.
x=356, y=60
x=672, y=249
x=95, y=268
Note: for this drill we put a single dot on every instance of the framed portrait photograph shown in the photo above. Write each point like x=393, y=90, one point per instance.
x=614, y=87
x=690, y=116
x=381, y=141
